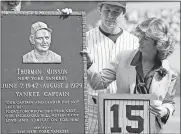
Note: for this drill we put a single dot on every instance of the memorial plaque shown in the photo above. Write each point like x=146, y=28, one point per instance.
x=43, y=73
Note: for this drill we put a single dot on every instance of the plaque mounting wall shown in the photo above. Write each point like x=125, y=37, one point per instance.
x=43, y=97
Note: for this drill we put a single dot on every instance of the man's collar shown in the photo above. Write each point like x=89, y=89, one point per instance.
x=37, y=55
x=110, y=34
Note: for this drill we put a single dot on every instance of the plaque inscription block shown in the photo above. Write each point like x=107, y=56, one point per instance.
x=42, y=85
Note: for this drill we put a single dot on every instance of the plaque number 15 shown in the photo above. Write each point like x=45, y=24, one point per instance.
x=116, y=128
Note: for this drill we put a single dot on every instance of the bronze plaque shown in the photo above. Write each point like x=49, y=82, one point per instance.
x=43, y=73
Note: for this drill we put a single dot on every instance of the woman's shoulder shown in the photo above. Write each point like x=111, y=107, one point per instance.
x=127, y=53
x=169, y=68
x=125, y=56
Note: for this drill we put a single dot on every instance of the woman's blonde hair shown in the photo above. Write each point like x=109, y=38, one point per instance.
x=158, y=30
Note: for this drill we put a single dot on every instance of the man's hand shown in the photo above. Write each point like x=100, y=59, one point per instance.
x=89, y=59
x=66, y=12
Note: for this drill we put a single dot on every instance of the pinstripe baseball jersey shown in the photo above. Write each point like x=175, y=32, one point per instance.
x=103, y=50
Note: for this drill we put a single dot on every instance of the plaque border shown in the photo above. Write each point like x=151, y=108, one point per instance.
x=84, y=47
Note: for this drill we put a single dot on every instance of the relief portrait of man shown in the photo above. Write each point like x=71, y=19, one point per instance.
x=40, y=39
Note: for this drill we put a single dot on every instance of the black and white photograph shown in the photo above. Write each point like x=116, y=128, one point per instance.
x=42, y=72
x=127, y=64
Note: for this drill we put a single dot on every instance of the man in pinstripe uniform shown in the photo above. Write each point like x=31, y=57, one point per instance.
x=105, y=41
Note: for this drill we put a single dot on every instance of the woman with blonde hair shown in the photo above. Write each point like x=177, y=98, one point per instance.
x=143, y=71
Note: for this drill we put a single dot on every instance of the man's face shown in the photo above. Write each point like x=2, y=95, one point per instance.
x=42, y=40
x=110, y=15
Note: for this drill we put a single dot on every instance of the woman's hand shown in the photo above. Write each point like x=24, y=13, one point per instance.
x=89, y=59
x=158, y=109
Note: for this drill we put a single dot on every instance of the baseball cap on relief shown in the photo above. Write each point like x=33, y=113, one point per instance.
x=117, y=3
x=38, y=26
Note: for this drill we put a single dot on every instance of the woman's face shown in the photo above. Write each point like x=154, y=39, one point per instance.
x=147, y=44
